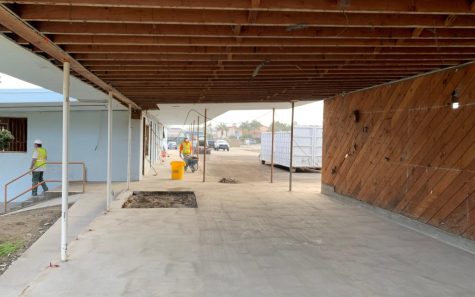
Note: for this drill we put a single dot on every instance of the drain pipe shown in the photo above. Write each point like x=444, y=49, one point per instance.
x=129, y=147
x=109, y=152
x=64, y=164
x=291, y=147
x=205, y=145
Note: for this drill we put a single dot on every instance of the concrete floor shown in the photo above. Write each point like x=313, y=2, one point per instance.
x=254, y=239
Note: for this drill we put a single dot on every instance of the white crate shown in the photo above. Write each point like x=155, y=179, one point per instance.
x=307, y=147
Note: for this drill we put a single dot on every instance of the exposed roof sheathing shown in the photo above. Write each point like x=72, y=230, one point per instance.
x=205, y=51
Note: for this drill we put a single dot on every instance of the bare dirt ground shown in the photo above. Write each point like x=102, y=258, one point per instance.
x=161, y=200
x=19, y=231
x=243, y=165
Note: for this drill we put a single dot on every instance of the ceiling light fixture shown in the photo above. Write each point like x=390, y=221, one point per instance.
x=455, y=100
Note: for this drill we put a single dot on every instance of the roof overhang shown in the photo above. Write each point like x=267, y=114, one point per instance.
x=242, y=51
x=22, y=64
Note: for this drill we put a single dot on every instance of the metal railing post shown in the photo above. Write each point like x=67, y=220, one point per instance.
x=5, y=197
x=83, y=177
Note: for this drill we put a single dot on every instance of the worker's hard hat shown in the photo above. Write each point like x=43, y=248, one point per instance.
x=37, y=141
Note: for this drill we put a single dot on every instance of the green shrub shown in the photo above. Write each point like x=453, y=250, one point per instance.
x=6, y=138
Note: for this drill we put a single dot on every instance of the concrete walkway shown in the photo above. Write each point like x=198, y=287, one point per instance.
x=46, y=249
x=254, y=239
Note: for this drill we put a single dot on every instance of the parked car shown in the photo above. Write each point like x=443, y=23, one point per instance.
x=250, y=141
x=221, y=145
x=172, y=145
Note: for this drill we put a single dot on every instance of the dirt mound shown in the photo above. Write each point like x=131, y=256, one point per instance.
x=227, y=180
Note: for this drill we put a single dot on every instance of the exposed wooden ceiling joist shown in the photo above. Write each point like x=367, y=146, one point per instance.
x=253, y=31
x=156, y=51
x=231, y=18
x=368, y=6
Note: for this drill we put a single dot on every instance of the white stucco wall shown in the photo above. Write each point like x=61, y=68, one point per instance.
x=88, y=143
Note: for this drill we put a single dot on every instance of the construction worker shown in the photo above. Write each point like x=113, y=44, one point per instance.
x=185, y=151
x=38, y=167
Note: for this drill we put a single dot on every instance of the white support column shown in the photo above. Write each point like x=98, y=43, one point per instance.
x=64, y=165
x=291, y=166
x=272, y=147
x=129, y=148
x=109, y=151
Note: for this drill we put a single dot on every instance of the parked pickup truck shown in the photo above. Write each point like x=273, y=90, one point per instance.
x=221, y=145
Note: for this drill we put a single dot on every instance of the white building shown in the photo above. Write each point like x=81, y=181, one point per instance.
x=37, y=114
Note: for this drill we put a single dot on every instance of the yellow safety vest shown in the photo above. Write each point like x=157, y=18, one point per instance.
x=186, y=148
x=41, y=160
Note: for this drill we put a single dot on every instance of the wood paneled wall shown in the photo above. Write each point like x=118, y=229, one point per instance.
x=410, y=152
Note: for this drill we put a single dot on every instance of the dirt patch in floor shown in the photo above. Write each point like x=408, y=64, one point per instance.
x=161, y=199
x=19, y=231
x=228, y=180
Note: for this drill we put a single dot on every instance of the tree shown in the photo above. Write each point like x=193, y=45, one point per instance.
x=256, y=126
x=222, y=128
x=5, y=139
x=279, y=126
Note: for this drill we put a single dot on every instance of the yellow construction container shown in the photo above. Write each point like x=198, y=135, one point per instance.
x=178, y=169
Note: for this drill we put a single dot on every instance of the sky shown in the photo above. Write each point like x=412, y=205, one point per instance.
x=10, y=82
x=309, y=114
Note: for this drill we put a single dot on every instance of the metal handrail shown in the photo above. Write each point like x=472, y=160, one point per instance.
x=5, y=193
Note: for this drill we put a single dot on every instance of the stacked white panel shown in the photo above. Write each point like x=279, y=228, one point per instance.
x=307, y=147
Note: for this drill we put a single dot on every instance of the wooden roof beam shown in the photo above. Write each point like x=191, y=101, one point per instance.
x=198, y=64
x=399, y=6
x=121, y=29
x=192, y=50
x=251, y=42
x=230, y=18
x=284, y=57
x=133, y=69
x=15, y=24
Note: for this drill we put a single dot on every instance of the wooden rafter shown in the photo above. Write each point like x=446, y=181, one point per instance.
x=399, y=6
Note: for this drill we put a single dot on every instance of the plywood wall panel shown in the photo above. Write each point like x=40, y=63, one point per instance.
x=410, y=152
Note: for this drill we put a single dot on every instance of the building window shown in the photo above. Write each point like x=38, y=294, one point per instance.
x=18, y=127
